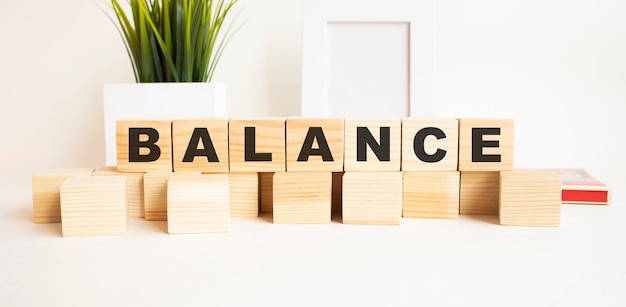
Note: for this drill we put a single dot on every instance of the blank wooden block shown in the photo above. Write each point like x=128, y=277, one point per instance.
x=264, y=150
x=530, y=198
x=46, y=186
x=431, y=195
x=363, y=140
x=155, y=195
x=336, y=192
x=94, y=206
x=430, y=144
x=486, y=144
x=302, y=197
x=150, y=149
x=200, y=145
x=315, y=144
x=372, y=198
x=479, y=193
x=266, y=186
x=244, y=194
x=198, y=204
x=134, y=188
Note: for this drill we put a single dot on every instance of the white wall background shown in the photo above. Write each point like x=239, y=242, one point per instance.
x=558, y=67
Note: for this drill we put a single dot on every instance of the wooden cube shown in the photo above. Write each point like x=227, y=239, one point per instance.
x=486, y=144
x=198, y=204
x=314, y=144
x=94, y=206
x=155, y=195
x=244, y=194
x=266, y=186
x=479, y=193
x=372, y=198
x=372, y=145
x=46, y=186
x=431, y=195
x=144, y=146
x=134, y=188
x=430, y=144
x=200, y=145
x=302, y=197
x=257, y=145
x=336, y=192
x=530, y=198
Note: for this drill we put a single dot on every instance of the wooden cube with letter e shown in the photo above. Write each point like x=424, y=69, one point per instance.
x=200, y=145
x=257, y=145
x=144, y=145
x=372, y=145
x=486, y=144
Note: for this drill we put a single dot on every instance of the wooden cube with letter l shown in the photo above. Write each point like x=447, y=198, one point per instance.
x=46, y=187
x=372, y=145
x=257, y=145
x=200, y=145
x=431, y=195
x=144, y=145
x=530, y=198
x=372, y=198
x=315, y=144
x=486, y=144
x=430, y=144
x=302, y=197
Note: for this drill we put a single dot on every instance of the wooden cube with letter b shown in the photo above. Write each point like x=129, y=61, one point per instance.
x=315, y=144
x=200, y=145
x=431, y=195
x=372, y=145
x=430, y=144
x=302, y=197
x=530, y=198
x=144, y=145
x=486, y=144
x=257, y=145
x=372, y=198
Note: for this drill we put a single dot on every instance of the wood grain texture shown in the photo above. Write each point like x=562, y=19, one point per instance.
x=94, y=206
x=266, y=191
x=505, y=148
x=372, y=163
x=134, y=188
x=182, y=131
x=372, y=198
x=162, y=164
x=530, y=198
x=270, y=138
x=244, y=194
x=479, y=193
x=431, y=195
x=297, y=130
x=46, y=188
x=431, y=144
x=302, y=197
x=155, y=195
x=198, y=204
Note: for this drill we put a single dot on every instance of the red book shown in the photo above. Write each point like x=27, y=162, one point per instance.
x=580, y=188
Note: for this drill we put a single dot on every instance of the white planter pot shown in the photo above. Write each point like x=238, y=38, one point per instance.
x=158, y=101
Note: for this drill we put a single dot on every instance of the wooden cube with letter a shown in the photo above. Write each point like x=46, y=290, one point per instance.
x=430, y=144
x=431, y=195
x=479, y=193
x=372, y=145
x=257, y=145
x=144, y=145
x=200, y=145
x=486, y=144
x=198, y=204
x=94, y=206
x=372, y=198
x=314, y=144
x=302, y=197
x=530, y=198
x=46, y=186
x=134, y=188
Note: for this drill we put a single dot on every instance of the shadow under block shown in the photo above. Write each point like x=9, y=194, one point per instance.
x=314, y=145
x=486, y=144
x=431, y=195
x=94, y=206
x=134, y=187
x=372, y=198
x=257, y=145
x=198, y=204
x=430, y=144
x=266, y=192
x=479, y=193
x=155, y=195
x=372, y=145
x=46, y=187
x=530, y=198
x=302, y=197
x=244, y=194
x=200, y=145
x=336, y=192
x=144, y=145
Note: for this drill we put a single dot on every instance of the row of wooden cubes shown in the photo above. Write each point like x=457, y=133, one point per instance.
x=315, y=145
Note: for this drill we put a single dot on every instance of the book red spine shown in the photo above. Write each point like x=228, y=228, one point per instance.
x=585, y=196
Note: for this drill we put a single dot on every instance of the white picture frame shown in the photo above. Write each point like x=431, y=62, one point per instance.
x=317, y=14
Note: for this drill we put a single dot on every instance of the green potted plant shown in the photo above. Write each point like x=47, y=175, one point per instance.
x=174, y=47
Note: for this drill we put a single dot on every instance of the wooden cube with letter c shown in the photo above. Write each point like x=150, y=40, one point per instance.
x=430, y=144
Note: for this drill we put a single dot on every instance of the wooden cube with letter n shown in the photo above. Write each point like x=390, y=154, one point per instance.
x=46, y=186
x=302, y=197
x=486, y=144
x=315, y=144
x=430, y=144
x=431, y=195
x=257, y=145
x=372, y=145
x=200, y=145
x=530, y=198
x=372, y=198
x=144, y=145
